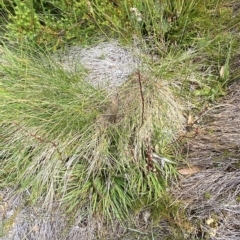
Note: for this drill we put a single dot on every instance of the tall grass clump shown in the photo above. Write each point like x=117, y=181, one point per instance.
x=59, y=144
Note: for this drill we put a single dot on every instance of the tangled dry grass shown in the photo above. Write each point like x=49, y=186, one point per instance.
x=221, y=133
x=108, y=64
x=212, y=196
x=19, y=222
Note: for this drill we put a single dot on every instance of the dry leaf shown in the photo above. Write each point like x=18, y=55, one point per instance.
x=146, y=216
x=210, y=221
x=35, y=228
x=189, y=170
x=222, y=72
x=190, y=120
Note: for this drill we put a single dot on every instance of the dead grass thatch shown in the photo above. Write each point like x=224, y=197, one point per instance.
x=211, y=196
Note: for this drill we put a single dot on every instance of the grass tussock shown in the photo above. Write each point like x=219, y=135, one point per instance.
x=58, y=142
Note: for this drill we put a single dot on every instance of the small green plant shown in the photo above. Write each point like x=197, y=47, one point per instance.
x=207, y=195
x=24, y=24
x=57, y=23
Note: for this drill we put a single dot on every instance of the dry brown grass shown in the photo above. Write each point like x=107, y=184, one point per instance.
x=211, y=196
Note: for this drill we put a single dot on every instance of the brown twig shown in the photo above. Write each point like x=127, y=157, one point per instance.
x=142, y=97
x=149, y=156
x=39, y=138
x=189, y=127
x=113, y=108
x=200, y=115
x=184, y=136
